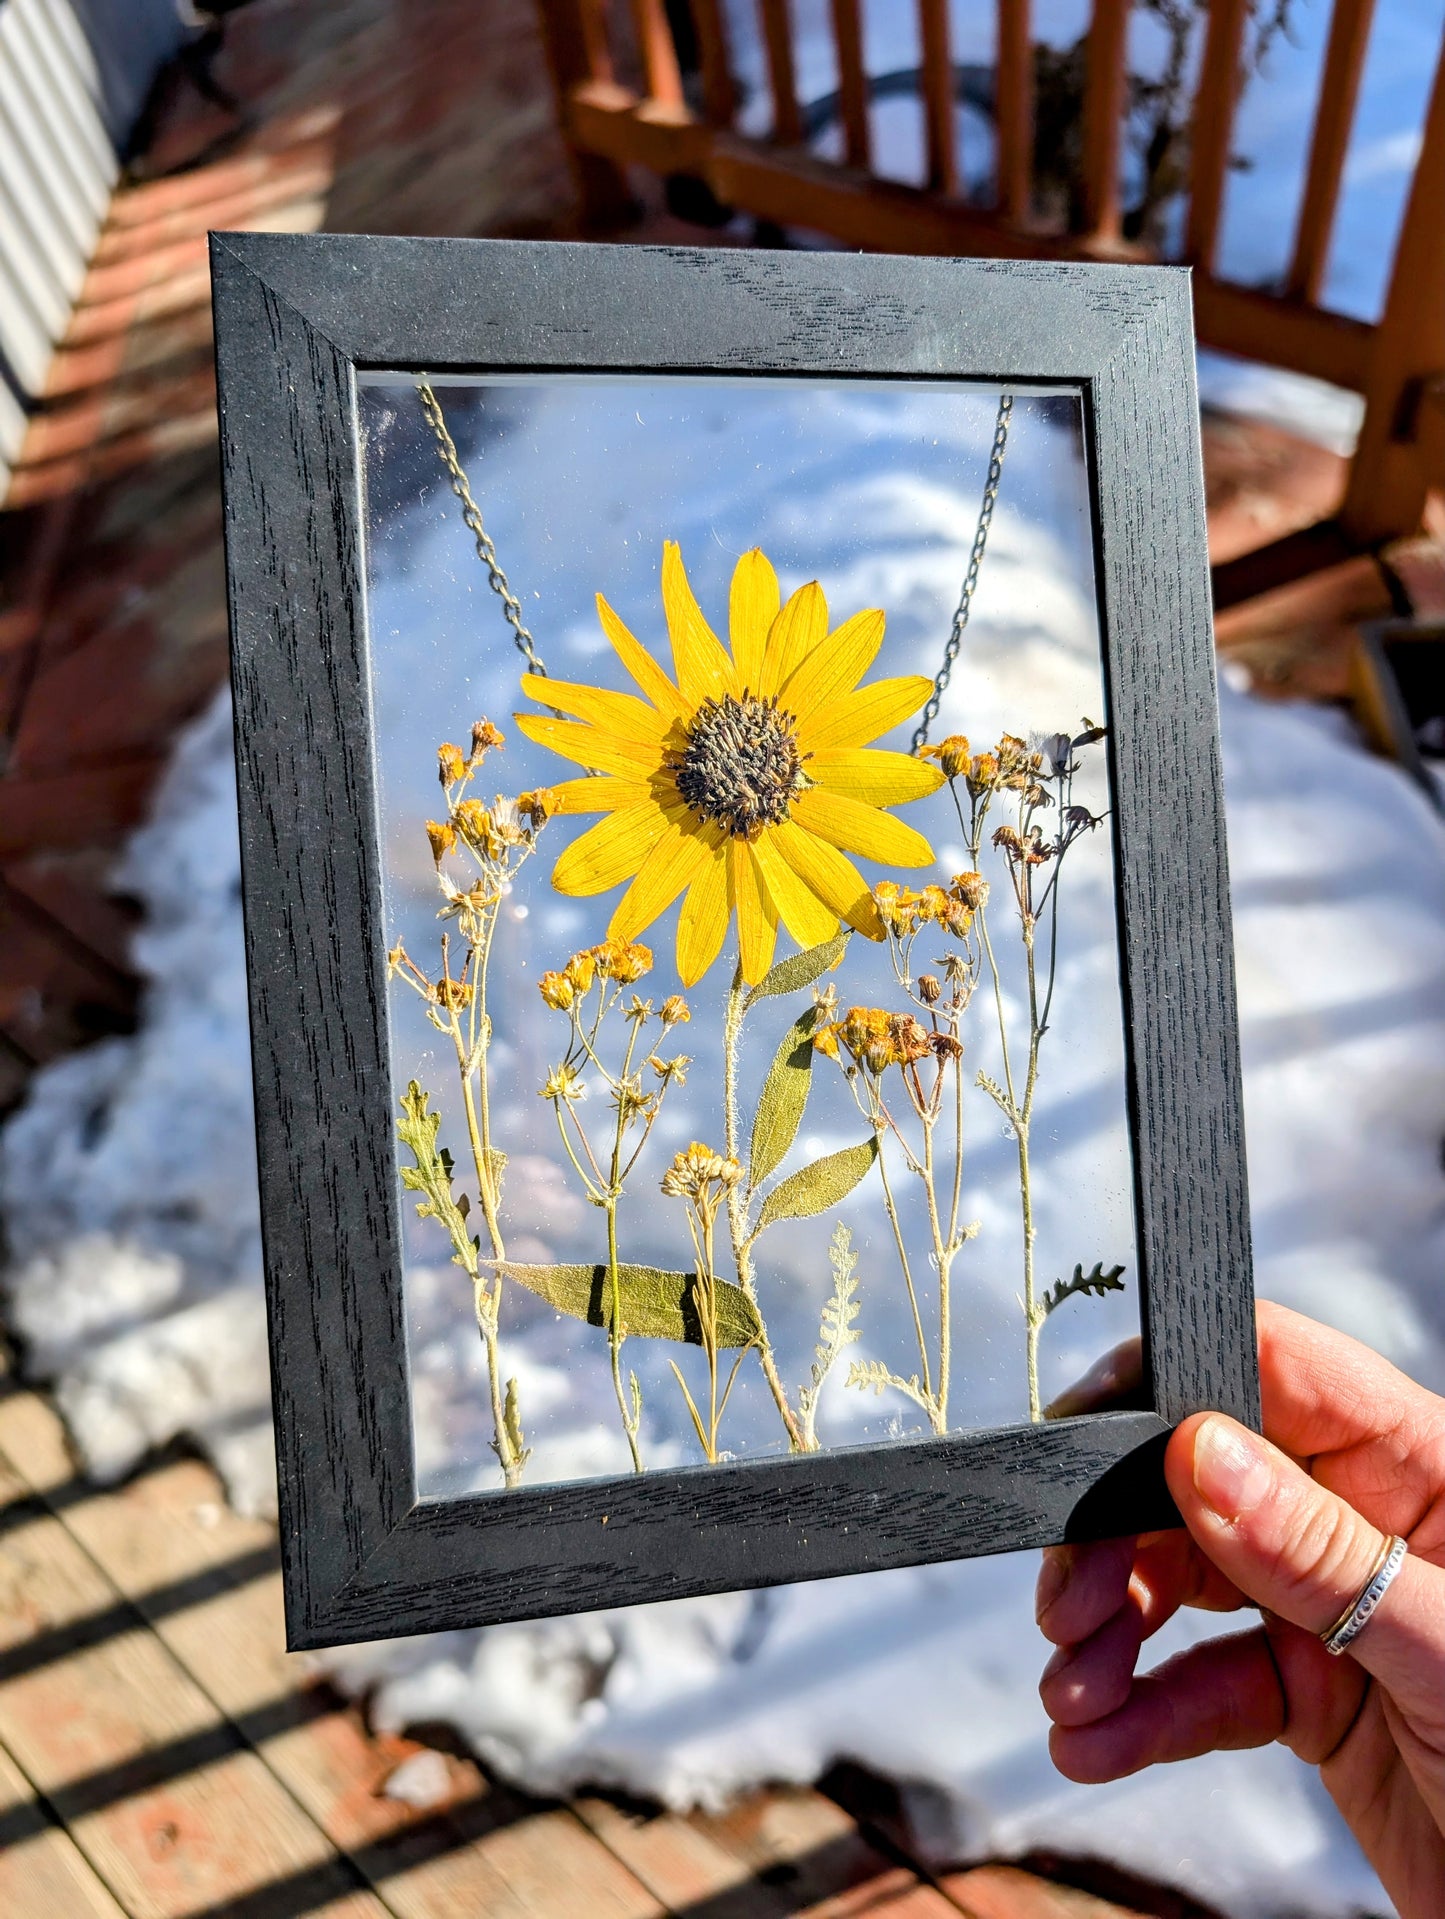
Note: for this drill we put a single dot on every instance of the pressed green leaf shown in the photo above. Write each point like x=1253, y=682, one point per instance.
x=815, y=1188
x=801, y=969
x=655, y=1304
x=784, y=1095
x=432, y=1174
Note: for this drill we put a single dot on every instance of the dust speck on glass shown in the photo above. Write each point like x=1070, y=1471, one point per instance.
x=757, y=1046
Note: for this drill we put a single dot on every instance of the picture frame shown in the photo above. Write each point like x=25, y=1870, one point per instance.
x=300, y=321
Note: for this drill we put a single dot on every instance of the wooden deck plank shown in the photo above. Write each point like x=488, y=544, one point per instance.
x=167, y=1806
x=42, y=1870
x=167, y=1533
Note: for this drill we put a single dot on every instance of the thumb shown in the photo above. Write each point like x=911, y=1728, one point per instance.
x=1299, y=1551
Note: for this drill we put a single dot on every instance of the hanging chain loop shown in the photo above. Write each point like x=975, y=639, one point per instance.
x=472, y=518
x=970, y=578
x=512, y=606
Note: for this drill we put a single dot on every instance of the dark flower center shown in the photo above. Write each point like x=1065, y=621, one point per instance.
x=741, y=766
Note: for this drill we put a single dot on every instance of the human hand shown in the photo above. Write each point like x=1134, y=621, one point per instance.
x=1295, y=1527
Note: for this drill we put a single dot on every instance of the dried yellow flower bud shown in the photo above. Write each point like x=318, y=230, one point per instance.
x=538, y=806
x=581, y=971
x=970, y=890
x=443, y=837
x=484, y=737
x=675, y=1010
x=951, y=754
x=622, y=960
x=695, y=1171
x=451, y=765
x=897, y=907
x=452, y=995
x=557, y=990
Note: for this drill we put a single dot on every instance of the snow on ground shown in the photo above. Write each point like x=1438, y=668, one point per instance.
x=128, y=1186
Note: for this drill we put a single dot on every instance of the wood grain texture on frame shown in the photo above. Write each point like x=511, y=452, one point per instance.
x=295, y=317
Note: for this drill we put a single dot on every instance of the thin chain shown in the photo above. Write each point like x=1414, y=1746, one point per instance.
x=472, y=516
x=970, y=578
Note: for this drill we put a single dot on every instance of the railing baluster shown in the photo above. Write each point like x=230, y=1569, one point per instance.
x=852, y=81
x=1106, y=101
x=937, y=85
x=574, y=34
x=1334, y=116
x=659, y=55
x=1014, y=109
x=719, y=95
x=782, y=73
x=1214, y=105
x=1386, y=493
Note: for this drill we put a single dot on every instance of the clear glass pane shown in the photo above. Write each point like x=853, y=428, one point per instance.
x=736, y=774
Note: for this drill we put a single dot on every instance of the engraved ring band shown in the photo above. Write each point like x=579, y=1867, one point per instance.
x=1357, y=1615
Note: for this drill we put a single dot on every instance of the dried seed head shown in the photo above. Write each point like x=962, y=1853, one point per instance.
x=741, y=767
x=929, y=989
x=452, y=995
x=484, y=737
x=564, y=1083
x=675, y=1010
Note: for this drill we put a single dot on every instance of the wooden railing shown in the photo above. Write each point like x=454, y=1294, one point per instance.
x=673, y=129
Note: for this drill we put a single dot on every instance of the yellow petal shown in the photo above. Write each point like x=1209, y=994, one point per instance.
x=806, y=917
x=835, y=880
x=872, y=774
x=835, y=666
x=861, y=829
x=675, y=861
x=802, y=625
x=609, y=852
x=619, y=713
x=757, y=916
x=704, y=671
x=604, y=794
x=703, y=921
x=855, y=718
x=752, y=608
x=640, y=663
x=589, y=746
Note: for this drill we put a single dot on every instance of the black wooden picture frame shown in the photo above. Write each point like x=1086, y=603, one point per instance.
x=296, y=319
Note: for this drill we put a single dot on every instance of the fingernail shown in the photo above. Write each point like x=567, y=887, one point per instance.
x=1232, y=1471
x=1054, y=1576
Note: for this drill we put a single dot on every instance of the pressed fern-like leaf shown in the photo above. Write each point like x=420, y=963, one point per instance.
x=836, y=1329
x=1097, y=1281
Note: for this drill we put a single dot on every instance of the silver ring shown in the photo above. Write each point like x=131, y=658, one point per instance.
x=1357, y=1615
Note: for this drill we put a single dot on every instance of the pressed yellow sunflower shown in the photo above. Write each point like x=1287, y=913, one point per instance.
x=746, y=782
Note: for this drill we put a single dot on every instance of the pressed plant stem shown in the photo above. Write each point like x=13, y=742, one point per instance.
x=487, y=1305
x=615, y=1337
x=943, y=1254
x=737, y=1202
x=616, y=1332
x=892, y=1210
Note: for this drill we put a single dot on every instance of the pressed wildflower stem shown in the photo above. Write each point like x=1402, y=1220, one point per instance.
x=616, y=1330
x=487, y=1298
x=737, y=1205
x=701, y=1218
x=891, y=1206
